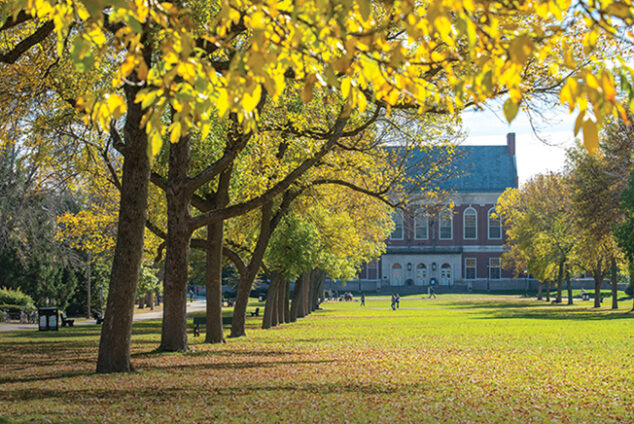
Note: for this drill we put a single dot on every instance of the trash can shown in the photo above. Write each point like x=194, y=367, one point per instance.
x=48, y=319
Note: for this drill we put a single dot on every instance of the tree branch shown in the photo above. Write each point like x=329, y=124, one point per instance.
x=37, y=37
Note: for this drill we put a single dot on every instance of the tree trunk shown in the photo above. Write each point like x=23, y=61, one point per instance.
x=560, y=281
x=114, y=345
x=287, y=308
x=615, y=295
x=150, y=300
x=88, y=292
x=213, y=275
x=281, y=289
x=267, y=226
x=306, y=289
x=298, y=296
x=568, y=286
x=271, y=299
x=174, y=328
x=213, y=271
x=547, y=290
x=275, y=302
x=539, y=290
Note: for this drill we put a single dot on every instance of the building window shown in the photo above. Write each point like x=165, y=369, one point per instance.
x=397, y=274
x=470, y=268
x=494, y=268
x=470, y=219
x=495, y=225
x=397, y=234
x=421, y=226
x=372, y=270
x=446, y=232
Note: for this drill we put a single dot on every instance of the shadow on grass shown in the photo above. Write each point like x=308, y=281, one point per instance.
x=235, y=365
x=47, y=377
x=574, y=314
x=196, y=394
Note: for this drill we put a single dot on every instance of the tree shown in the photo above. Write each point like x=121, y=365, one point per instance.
x=539, y=228
x=597, y=182
x=190, y=57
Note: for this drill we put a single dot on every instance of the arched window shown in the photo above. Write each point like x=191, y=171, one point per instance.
x=397, y=274
x=445, y=227
x=397, y=234
x=421, y=226
x=470, y=221
x=495, y=225
x=445, y=275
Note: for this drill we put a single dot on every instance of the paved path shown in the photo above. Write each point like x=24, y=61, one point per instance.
x=197, y=305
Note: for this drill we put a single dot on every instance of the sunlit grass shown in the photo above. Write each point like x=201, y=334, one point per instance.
x=457, y=358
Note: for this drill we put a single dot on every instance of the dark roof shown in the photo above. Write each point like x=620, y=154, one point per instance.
x=484, y=169
x=476, y=169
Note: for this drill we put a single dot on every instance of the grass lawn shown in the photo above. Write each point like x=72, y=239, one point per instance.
x=455, y=359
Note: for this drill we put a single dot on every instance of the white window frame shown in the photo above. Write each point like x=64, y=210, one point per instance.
x=475, y=268
x=492, y=210
x=421, y=215
x=440, y=219
x=499, y=267
x=402, y=218
x=464, y=223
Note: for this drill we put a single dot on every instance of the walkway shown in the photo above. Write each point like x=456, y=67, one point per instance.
x=199, y=304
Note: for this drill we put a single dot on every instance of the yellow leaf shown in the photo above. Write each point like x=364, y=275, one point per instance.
x=510, y=110
x=345, y=87
x=521, y=48
x=307, y=91
x=127, y=65
x=250, y=100
x=175, y=135
x=590, y=136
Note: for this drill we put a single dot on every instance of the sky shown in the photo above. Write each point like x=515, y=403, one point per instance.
x=533, y=156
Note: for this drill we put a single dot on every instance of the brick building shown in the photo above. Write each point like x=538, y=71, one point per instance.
x=458, y=247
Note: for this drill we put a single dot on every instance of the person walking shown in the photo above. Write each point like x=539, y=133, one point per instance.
x=393, y=302
x=432, y=292
x=362, y=299
x=397, y=299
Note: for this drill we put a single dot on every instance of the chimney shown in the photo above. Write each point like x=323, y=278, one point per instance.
x=510, y=142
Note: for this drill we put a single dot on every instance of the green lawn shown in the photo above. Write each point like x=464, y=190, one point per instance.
x=457, y=359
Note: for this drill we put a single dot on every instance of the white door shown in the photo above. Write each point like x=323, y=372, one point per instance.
x=397, y=275
x=445, y=275
x=421, y=275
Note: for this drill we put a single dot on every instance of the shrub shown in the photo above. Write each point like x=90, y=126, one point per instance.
x=16, y=298
x=629, y=290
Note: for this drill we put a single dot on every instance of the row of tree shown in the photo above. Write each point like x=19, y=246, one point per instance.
x=578, y=221
x=266, y=104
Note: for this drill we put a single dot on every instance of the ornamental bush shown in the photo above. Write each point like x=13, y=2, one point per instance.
x=15, y=298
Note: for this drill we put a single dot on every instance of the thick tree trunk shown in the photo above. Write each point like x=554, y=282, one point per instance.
x=560, y=281
x=298, y=296
x=150, y=300
x=568, y=286
x=240, y=307
x=174, y=329
x=269, y=307
x=114, y=345
x=213, y=273
x=547, y=290
x=539, y=290
x=615, y=287
x=287, y=307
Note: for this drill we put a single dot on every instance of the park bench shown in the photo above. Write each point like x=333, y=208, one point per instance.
x=66, y=321
x=255, y=313
x=201, y=322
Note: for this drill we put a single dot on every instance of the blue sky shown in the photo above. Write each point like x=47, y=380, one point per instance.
x=533, y=156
